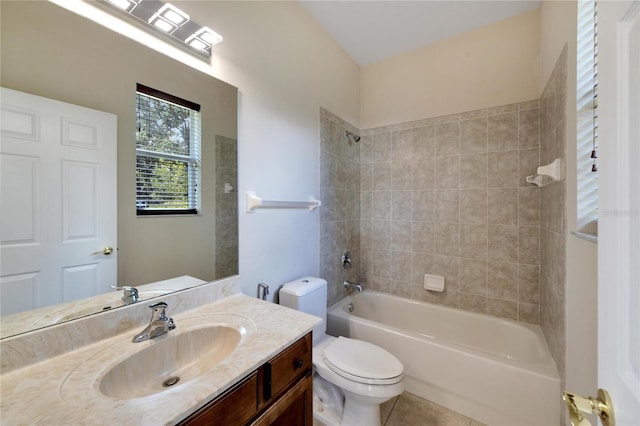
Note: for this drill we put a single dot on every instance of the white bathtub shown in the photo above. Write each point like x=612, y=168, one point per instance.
x=497, y=371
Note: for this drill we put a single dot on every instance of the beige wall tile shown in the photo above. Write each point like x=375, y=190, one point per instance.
x=366, y=150
x=424, y=142
x=381, y=205
x=502, y=206
x=447, y=205
x=402, y=145
x=401, y=236
x=502, y=169
x=401, y=267
x=502, y=132
x=529, y=162
x=421, y=263
x=473, y=303
x=447, y=298
x=529, y=245
x=381, y=263
x=529, y=128
x=381, y=234
x=423, y=173
x=502, y=280
x=449, y=268
x=529, y=206
x=381, y=147
x=473, y=171
x=503, y=243
x=502, y=308
x=529, y=313
x=447, y=239
x=424, y=206
x=473, y=241
x=381, y=176
x=402, y=174
x=447, y=138
x=473, y=206
x=529, y=284
x=366, y=199
x=473, y=276
x=401, y=205
x=447, y=172
x=422, y=237
x=473, y=135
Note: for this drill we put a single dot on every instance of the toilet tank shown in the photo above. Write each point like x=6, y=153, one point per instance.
x=309, y=295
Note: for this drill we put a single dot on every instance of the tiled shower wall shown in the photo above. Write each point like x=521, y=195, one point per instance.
x=340, y=196
x=448, y=196
x=226, y=207
x=553, y=217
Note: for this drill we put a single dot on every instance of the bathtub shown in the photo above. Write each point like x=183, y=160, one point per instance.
x=497, y=371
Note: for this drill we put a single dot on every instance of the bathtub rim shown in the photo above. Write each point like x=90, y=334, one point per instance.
x=545, y=367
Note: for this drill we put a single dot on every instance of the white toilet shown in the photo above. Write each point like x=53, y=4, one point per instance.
x=355, y=377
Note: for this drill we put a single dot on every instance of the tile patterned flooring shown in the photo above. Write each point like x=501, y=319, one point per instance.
x=411, y=410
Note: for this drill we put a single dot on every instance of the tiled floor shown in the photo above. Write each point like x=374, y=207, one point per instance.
x=410, y=410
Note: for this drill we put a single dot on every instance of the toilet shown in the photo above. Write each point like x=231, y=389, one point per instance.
x=351, y=377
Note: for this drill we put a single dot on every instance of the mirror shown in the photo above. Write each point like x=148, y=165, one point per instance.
x=50, y=52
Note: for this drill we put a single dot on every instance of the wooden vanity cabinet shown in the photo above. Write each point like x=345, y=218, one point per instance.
x=280, y=392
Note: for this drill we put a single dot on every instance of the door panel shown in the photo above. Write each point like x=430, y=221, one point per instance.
x=619, y=207
x=58, y=197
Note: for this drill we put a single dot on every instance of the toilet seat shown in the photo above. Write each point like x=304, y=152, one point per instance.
x=362, y=362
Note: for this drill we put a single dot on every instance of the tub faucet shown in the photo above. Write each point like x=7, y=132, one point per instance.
x=349, y=284
x=159, y=324
x=130, y=294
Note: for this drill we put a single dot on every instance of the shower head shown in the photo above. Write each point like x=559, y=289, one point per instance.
x=352, y=136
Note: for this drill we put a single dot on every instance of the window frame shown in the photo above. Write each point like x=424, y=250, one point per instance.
x=192, y=161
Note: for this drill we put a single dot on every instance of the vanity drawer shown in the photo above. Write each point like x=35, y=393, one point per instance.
x=237, y=406
x=283, y=370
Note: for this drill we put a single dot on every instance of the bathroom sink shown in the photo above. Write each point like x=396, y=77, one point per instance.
x=169, y=361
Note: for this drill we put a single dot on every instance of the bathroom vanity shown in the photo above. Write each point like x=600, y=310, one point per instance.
x=239, y=361
x=280, y=392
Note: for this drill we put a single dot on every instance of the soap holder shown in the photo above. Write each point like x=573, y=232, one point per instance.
x=548, y=174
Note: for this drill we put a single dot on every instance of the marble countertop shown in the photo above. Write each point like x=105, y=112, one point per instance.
x=53, y=392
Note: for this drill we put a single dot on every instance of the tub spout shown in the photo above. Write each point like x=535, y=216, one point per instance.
x=348, y=284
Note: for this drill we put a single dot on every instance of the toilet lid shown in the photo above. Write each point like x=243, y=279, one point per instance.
x=362, y=361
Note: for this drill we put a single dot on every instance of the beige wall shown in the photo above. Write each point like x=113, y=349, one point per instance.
x=50, y=52
x=491, y=66
x=285, y=67
x=557, y=28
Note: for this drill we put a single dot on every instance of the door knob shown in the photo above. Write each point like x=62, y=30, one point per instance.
x=106, y=251
x=578, y=404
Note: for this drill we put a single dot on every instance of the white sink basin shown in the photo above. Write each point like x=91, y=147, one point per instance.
x=121, y=369
x=171, y=360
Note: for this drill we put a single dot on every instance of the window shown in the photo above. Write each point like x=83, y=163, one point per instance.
x=587, y=117
x=167, y=154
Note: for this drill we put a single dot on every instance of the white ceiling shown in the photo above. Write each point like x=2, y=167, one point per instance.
x=370, y=31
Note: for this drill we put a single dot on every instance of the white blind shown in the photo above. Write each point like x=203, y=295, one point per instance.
x=167, y=155
x=587, y=117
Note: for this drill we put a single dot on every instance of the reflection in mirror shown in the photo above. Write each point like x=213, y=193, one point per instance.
x=52, y=53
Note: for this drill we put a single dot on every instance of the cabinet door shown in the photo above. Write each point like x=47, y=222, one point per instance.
x=295, y=407
x=236, y=407
x=284, y=370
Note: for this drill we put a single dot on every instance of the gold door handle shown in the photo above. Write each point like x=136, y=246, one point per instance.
x=106, y=251
x=578, y=404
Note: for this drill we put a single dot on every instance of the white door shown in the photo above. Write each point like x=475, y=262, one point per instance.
x=57, y=202
x=619, y=207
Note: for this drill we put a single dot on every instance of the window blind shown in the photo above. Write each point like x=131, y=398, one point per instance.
x=587, y=117
x=167, y=154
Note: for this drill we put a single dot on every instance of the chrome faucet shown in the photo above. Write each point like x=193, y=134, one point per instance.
x=159, y=324
x=349, y=284
x=264, y=290
x=130, y=294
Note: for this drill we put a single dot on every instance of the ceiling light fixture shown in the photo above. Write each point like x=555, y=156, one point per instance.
x=168, y=18
x=203, y=39
x=171, y=21
x=126, y=5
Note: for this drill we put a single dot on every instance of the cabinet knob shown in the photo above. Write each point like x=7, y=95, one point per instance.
x=298, y=363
